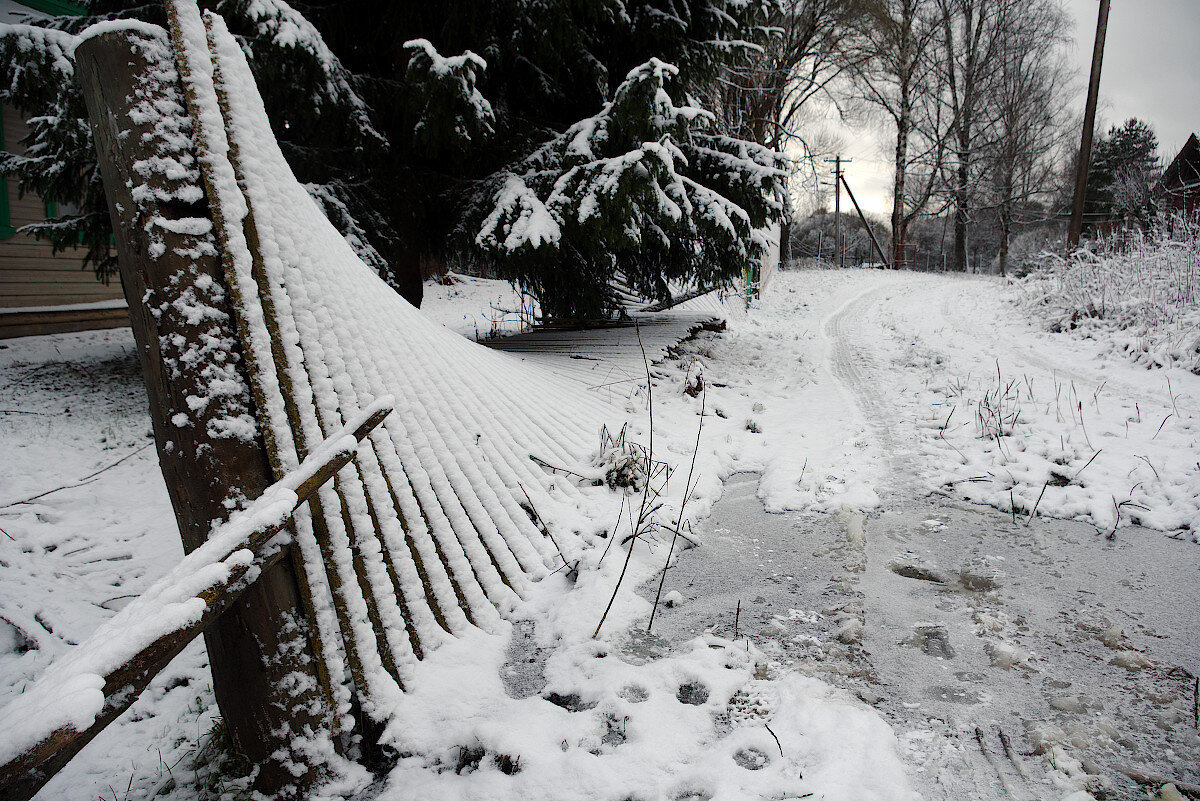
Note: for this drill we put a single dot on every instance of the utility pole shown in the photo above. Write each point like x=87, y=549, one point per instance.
x=866, y=224
x=837, y=208
x=1089, y=122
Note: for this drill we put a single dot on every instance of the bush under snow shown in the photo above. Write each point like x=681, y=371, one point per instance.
x=1142, y=297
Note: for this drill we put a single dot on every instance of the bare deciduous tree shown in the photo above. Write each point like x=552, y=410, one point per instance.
x=804, y=48
x=971, y=50
x=1026, y=102
x=805, y=45
x=900, y=78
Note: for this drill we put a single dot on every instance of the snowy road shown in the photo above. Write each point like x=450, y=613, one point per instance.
x=1015, y=656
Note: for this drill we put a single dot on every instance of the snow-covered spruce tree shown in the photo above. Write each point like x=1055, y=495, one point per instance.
x=640, y=187
x=450, y=116
x=406, y=135
x=59, y=163
x=540, y=67
x=1121, y=176
x=318, y=113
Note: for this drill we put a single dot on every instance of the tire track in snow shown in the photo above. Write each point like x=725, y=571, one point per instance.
x=851, y=363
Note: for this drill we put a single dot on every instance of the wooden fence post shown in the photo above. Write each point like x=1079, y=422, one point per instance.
x=210, y=450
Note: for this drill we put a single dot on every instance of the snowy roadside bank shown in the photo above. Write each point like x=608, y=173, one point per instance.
x=1138, y=299
x=857, y=382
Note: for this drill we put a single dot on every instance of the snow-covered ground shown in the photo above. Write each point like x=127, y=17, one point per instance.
x=853, y=395
x=477, y=308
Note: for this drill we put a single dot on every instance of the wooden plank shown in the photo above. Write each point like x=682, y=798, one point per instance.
x=49, y=280
x=119, y=318
x=24, y=245
x=69, y=315
x=25, y=210
x=58, y=268
x=59, y=290
x=16, y=129
x=22, y=252
x=43, y=299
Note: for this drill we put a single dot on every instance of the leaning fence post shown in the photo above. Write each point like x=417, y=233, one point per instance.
x=210, y=450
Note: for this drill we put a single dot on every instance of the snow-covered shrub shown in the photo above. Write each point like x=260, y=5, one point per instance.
x=643, y=186
x=1027, y=251
x=1142, y=296
x=623, y=463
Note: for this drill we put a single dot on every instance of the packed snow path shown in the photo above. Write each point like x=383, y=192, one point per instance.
x=1014, y=660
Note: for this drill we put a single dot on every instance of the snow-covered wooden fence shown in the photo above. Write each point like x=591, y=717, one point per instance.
x=263, y=335
x=85, y=690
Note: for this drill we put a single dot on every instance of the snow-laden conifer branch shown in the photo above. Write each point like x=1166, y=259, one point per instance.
x=448, y=111
x=639, y=187
x=280, y=26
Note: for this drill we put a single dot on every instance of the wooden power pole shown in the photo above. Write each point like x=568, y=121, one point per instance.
x=866, y=224
x=838, y=249
x=1089, y=122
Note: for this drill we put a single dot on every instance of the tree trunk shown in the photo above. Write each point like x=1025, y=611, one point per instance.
x=408, y=276
x=961, y=219
x=1006, y=215
x=899, y=227
x=265, y=673
x=1003, y=249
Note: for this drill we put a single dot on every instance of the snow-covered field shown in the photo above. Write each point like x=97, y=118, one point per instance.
x=477, y=308
x=845, y=391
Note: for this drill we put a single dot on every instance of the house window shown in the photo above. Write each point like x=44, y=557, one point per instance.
x=56, y=209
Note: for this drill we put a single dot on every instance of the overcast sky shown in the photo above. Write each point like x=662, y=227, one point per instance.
x=1151, y=71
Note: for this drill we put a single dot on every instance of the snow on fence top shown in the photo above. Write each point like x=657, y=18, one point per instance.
x=437, y=523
